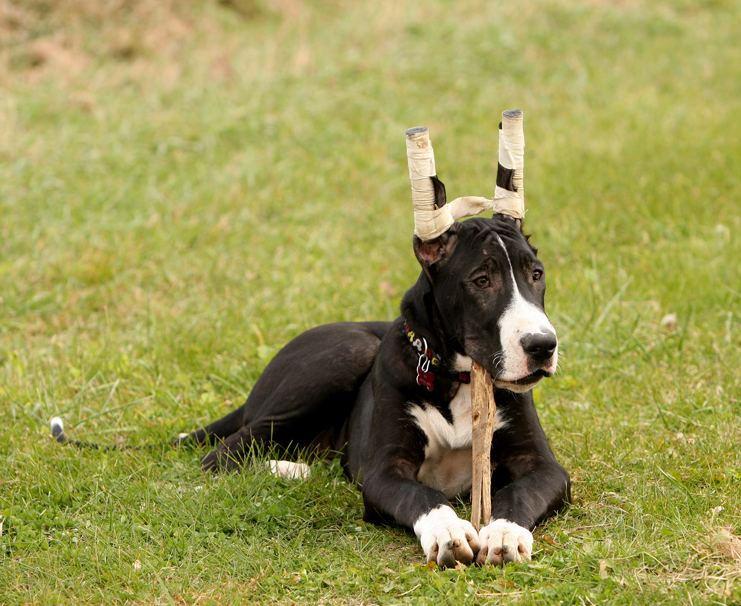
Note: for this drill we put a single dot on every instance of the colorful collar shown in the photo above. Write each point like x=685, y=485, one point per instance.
x=429, y=360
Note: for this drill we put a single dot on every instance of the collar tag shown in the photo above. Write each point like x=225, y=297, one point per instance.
x=425, y=378
x=427, y=360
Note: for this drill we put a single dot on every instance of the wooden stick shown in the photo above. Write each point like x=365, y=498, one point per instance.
x=483, y=411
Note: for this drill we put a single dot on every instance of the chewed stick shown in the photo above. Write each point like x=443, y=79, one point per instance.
x=483, y=411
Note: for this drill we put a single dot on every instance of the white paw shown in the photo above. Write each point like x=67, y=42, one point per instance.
x=503, y=541
x=289, y=470
x=446, y=538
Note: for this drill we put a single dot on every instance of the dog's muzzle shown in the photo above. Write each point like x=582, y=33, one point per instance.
x=540, y=359
x=539, y=347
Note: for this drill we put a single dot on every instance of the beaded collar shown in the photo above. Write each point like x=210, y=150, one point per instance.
x=429, y=363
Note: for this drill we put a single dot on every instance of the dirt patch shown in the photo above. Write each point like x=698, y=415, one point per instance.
x=62, y=38
x=727, y=545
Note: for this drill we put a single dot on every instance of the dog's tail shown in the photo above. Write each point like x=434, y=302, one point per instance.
x=281, y=469
x=188, y=440
x=57, y=432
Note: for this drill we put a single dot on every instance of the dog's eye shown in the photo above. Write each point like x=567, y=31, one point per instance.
x=537, y=275
x=482, y=282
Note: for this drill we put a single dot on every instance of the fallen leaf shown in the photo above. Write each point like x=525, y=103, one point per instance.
x=603, y=569
x=728, y=545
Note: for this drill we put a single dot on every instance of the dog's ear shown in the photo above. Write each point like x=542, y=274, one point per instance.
x=435, y=252
x=441, y=197
x=516, y=221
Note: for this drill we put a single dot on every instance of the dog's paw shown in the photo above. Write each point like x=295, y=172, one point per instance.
x=289, y=470
x=446, y=538
x=503, y=541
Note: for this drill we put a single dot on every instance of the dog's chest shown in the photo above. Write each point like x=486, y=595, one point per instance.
x=447, y=464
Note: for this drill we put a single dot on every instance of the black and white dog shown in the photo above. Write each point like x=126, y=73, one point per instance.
x=394, y=397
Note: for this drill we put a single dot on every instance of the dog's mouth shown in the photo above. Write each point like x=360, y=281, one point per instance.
x=525, y=383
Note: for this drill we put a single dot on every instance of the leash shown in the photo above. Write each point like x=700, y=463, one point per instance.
x=429, y=363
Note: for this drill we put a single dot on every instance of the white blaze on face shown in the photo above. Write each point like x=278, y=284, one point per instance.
x=519, y=319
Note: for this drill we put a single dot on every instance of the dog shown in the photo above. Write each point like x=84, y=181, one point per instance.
x=394, y=397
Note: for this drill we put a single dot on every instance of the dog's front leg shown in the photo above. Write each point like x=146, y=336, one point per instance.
x=392, y=492
x=517, y=508
x=532, y=485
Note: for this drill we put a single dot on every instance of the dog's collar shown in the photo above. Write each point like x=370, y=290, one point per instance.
x=429, y=363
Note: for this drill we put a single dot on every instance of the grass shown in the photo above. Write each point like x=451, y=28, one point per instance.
x=186, y=186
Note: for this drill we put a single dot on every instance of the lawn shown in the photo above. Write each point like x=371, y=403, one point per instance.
x=185, y=186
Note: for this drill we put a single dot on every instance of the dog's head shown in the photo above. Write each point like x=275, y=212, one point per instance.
x=489, y=288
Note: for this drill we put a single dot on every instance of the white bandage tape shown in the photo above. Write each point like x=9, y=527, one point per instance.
x=509, y=203
x=429, y=222
x=512, y=156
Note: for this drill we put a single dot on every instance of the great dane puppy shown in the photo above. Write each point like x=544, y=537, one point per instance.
x=394, y=397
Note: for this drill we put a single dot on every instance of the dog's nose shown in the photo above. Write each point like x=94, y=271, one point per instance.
x=539, y=346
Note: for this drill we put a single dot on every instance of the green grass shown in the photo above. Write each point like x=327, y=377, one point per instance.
x=186, y=186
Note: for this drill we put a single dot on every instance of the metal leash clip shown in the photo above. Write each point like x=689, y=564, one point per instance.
x=425, y=378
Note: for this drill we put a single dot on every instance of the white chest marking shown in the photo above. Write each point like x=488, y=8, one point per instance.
x=447, y=464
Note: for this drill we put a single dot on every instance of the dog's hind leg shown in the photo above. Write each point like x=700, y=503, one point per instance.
x=280, y=424
x=218, y=430
x=304, y=395
x=233, y=451
x=295, y=414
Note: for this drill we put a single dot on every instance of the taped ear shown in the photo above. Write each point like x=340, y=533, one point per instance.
x=435, y=252
x=441, y=197
x=432, y=214
x=516, y=221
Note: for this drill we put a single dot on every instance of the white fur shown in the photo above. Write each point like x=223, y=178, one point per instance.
x=289, y=470
x=520, y=318
x=445, y=537
x=504, y=541
x=462, y=363
x=447, y=464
